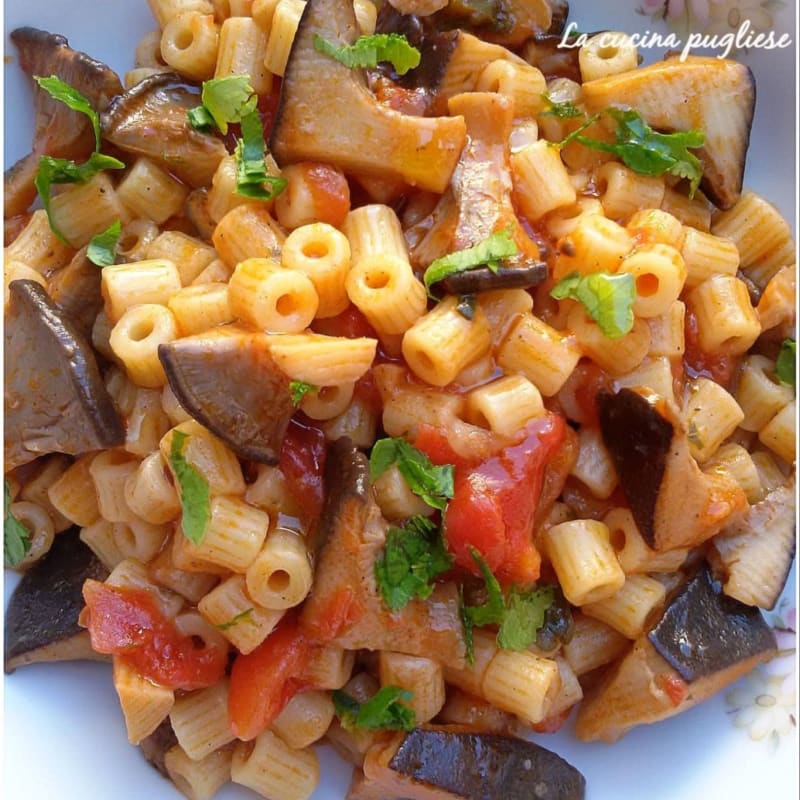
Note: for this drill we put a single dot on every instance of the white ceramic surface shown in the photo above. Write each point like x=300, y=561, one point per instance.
x=63, y=732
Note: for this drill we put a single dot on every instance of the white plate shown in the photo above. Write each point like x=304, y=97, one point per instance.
x=64, y=733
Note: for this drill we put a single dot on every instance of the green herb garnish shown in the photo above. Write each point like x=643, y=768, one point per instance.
x=299, y=389
x=16, y=536
x=646, y=151
x=194, y=492
x=247, y=615
x=225, y=100
x=785, y=365
x=412, y=557
x=383, y=712
x=72, y=98
x=102, y=248
x=487, y=253
x=369, y=51
x=434, y=484
x=519, y=618
x=564, y=110
x=608, y=299
x=251, y=167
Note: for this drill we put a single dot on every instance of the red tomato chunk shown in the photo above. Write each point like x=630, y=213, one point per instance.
x=128, y=623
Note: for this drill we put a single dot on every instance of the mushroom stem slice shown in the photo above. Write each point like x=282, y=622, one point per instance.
x=327, y=113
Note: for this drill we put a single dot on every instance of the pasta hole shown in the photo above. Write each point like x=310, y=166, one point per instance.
x=128, y=243
x=315, y=250
x=327, y=394
x=647, y=285
x=377, y=280
x=286, y=305
x=184, y=39
x=617, y=539
x=425, y=361
x=140, y=330
x=198, y=642
x=279, y=581
x=607, y=52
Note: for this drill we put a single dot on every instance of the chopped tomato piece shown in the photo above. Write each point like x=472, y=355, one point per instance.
x=263, y=682
x=675, y=687
x=495, y=501
x=720, y=367
x=326, y=187
x=350, y=323
x=340, y=611
x=302, y=461
x=128, y=623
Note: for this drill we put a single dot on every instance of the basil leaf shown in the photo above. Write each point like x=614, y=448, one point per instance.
x=608, y=299
x=487, y=253
x=412, y=557
x=102, y=248
x=72, y=98
x=434, y=484
x=492, y=611
x=300, y=389
x=383, y=712
x=225, y=100
x=16, y=536
x=247, y=615
x=646, y=151
x=785, y=364
x=565, y=110
x=524, y=616
x=194, y=492
x=61, y=170
x=251, y=168
x=369, y=51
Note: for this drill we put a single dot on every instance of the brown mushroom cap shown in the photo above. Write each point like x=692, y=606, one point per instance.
x=55, y=398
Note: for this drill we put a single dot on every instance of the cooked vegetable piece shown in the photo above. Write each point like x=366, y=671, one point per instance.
x=150, y=119
x=155, y=746
x=712, y=95
x=703, y=642
x=75, y=289
x=756, y=551
x=227, y=380
x=345, y=606
x=674, y=503
x=371, y=139
x=60, y=132
x=483, y=279
x=42, y=615
x=445, y=763
x=70, y=411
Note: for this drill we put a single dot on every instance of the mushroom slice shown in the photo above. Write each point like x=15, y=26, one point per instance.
x=673, y=502
x=228, y=381
x=716, y=96
x=55, y=399
x=755, y=553
x=75, y=289
x=479, y=203
x=483, y=279
x=703, y=642
x=150, y=120
x=455, y=763
x=155, y=746
x=42, y=615
x=352, y=533
x=368, y=138
x=59, y=130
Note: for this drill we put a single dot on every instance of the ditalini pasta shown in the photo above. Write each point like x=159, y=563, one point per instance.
x=400, y=385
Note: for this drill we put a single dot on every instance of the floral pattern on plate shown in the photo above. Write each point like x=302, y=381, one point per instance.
x=764, y=702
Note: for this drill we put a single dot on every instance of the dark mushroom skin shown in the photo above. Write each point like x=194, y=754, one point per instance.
x=155, y=746
x=455, y=763
x=227, y=380
x=673, y=502
x=60, y=131
x=753, y=555
x=483, y=279
x=42, y=615
x=75, y=289
x=350, y=537
x=370, y=139
x=150, y=120
x=716, y=96
x=55, y=399
x=702, y=642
